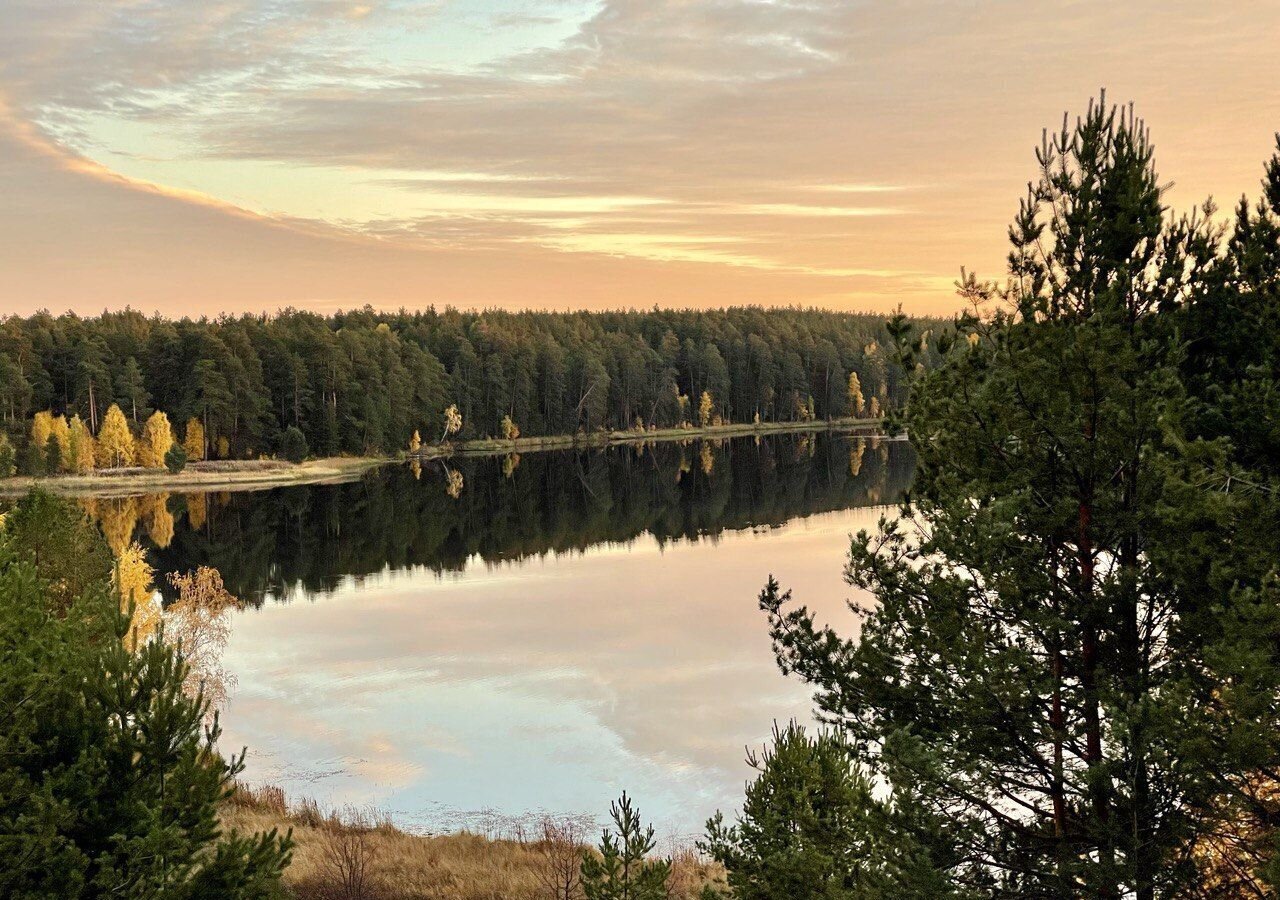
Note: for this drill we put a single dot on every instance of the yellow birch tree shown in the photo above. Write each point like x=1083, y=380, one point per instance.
x=41, y=429
x=81, y=447
x=115, y=442
x=193, y=441
x=156, y=439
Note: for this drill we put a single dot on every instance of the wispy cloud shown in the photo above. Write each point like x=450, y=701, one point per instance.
x=790, y=136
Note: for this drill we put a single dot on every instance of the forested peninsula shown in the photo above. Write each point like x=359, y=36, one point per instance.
x=118, y=390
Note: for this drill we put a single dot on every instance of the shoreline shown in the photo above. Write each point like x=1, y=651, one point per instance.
x=253, y=475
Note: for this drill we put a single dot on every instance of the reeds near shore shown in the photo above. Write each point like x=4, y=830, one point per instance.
x=358, y=854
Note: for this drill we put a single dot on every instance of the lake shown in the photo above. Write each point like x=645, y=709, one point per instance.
x=472, y=643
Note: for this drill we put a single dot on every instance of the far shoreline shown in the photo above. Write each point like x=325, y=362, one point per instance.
x=252, y=475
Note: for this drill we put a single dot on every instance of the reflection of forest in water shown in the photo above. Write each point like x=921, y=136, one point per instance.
x=280, y=541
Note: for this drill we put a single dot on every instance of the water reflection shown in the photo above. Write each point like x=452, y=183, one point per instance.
x=571, y=624
x=302, y=540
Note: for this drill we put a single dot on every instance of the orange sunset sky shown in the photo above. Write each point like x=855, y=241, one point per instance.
x=230, y=155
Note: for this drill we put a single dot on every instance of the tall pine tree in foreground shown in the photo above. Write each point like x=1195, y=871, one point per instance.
x=1068, y=666
x=109, y=784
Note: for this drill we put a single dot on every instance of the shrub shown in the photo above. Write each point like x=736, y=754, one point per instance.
x=175, y=459
x=293, y=446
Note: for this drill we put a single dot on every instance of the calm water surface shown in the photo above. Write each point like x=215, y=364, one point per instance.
x=567, y=626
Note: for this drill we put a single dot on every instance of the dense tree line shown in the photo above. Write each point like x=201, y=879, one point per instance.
x=1068, y=684
x=363, y=381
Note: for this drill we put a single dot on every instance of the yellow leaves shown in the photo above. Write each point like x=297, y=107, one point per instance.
x=81, y=447
x=415, y=442
x=115, y=442
x=453, y=483
x=199, y=623
x=224, y=447
x=193, y=440
x=856, y=452
x=155, y=441
x=510, y=463
x=62, y=434
x=41, y=429
x=856, y=401
x=873, y=408
x=705, y=406
x=197, y=510
x=132, y=579
x=159, y=520
x=452, y=420
x=510, y=430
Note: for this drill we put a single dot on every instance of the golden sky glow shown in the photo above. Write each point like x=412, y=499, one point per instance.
x=237, y=155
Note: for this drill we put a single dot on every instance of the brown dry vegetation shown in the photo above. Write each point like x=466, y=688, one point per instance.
x=359, y=855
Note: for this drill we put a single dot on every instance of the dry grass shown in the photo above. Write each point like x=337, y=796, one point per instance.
x=395, y=865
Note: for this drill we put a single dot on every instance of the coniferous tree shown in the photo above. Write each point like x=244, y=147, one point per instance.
x=622, y=869
x=1069, y=663
x=52, y=456
x=175, y=460
x=110, y=784
x=812, y=828
x=293, y=446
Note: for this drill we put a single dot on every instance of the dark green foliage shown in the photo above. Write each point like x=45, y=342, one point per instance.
x=293, y=446
x=52, y=456
x=108, y=783
x=66, y=547
x=622, y=869
x=1071, y=666
x=175, y=459
x=363, y=381
x=811, y=828
x=8, y=459
x=31, y=460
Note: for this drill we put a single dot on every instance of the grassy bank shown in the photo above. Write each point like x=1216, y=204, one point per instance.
x=259, y=474
x=395, y=865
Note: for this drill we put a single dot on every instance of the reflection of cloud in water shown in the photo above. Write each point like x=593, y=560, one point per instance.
x=548, y=685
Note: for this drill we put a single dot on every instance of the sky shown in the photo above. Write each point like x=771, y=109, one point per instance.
x=193, y=157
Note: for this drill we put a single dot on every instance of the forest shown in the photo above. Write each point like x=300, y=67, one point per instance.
x=364, y=382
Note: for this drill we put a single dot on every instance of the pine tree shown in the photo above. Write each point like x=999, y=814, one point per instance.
x=8, y=459
x=175, y=460
x=622, y=870
x=812, y=828
x=52, y=456
x=1055, y=665
x=111, y=784
x=115, y=442
x=293, y=446
x=131, y=389
x=193, y=440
